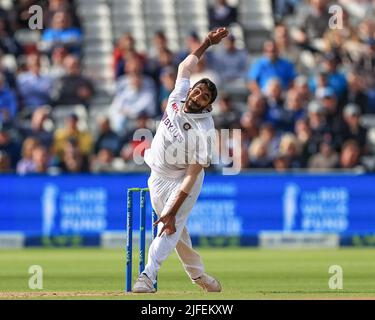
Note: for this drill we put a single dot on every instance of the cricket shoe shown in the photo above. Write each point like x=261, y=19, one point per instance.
x=144, y=285
x=208, y=283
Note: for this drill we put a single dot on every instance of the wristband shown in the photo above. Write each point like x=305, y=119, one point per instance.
x=209, y=40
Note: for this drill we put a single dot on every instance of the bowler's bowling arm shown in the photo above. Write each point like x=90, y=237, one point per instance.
x=186, y=186
x=187, y=66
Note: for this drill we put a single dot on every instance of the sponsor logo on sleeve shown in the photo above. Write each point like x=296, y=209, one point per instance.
x=175, y=107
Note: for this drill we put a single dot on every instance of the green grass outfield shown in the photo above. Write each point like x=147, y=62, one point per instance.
x=245, y=273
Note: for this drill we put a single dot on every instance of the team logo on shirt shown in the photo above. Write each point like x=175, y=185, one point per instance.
x=187, y=126
x=175, y=107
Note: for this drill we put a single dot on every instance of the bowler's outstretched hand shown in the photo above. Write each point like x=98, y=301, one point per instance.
x=216, y=36
x=169, y=224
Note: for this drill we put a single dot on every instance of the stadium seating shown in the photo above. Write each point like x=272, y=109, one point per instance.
x=256, y=18
x=103, y=22
x=60, y=113
x=107, y=20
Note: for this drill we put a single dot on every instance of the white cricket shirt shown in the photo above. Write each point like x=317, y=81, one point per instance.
x=181, y=138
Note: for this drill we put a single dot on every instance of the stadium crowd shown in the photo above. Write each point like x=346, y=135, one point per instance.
x=305, y=94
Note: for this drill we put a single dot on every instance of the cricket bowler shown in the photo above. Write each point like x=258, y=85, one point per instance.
x=175, y=186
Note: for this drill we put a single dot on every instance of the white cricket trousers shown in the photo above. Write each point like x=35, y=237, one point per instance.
x=163, y=193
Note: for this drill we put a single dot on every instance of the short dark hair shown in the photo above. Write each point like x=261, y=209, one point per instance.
x=211, y=87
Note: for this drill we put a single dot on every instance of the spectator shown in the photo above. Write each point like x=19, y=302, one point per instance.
x=203, y=70
x=26, y=164
x=136, y=93
x=56, y=69
x=318, y=80
x=133, y=150
x=352, y=129
x=40, y=127
x=326, y=159
x=8, y=16
x=350, y=157
x=334, y=78
x=104, y=161
x=286, y=46
x=230, y=62
x=72, y=88
x=10, y=79
x=228, y=116
x=249, y=127
x=268, y=67
x=344, y=40
x=256, y=104
x=5, y=166
x=22, y=13
x=124, y=48
x=164, y=58
x=281, y=163
x=167, y=82
x=303, y=133
x=8, y=102
x=290, y=148
x=159, y=43
x=366, y=29
x=241, y=157
x=327, y=99
x=268, y=135
x=274, y=93
x=8, y=43
x=358, y=9
x=283, y=8
x=319, y=126
x=41, y=160
x=107, y=138
x=34, y=87
x=301, y=85
x=366, y=65
x=73, y=160
x=221, y=14
x=294, y=110
x=142, y=124
x=275, y=103
x=71, y=131
x=9, y=144
x=60, y=5
x=230, y=151
x=312, y=23
x=357, y=92
x=366, y=62
x=323, y=111
x=258, y=154
x=60, y=33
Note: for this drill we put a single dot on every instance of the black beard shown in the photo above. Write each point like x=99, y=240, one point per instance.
x=192, y=107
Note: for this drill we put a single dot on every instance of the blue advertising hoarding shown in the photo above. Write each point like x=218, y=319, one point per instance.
x=229, y=206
